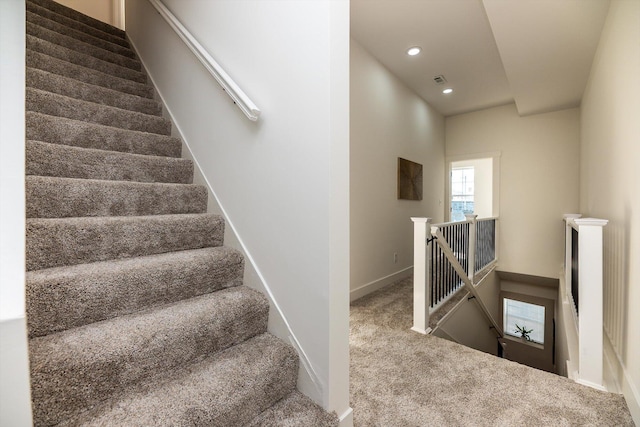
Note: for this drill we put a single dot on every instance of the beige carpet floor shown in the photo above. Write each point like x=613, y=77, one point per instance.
x=402, y=378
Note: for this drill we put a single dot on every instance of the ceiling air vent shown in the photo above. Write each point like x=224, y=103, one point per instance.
x=440, y=80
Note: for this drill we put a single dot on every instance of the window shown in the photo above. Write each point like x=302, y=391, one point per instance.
x=462, y=190
x=518, y=314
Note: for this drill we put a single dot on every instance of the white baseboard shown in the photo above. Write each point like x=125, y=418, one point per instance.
x=346, y=419
x=623, y=380
x=379, y=283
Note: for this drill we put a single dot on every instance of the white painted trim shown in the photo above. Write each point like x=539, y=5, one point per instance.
x=421, y=331
x=346, y=419
x=591, y=384
x=380, y=283
x=495, y=155
x=228, y=85
x=570, y=328
x=118, y=13
x=623, y=379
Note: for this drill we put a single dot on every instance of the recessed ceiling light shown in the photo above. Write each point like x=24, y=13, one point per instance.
x=413, y=51
x=447, y=90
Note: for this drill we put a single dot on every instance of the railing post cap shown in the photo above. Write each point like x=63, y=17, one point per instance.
x=571, y=216
x=420, y=219
x=591, y=222
x=470, y=217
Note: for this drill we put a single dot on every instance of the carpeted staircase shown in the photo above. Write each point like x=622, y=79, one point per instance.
x=136, y=311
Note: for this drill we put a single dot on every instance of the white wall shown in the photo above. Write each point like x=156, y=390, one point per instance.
x=108, y=11
x=609, y=178
x=539, y=179
x=282, y=181
x=15, y=401
x=388, y=121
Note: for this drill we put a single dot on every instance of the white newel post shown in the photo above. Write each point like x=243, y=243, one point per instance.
x=590, y=301
x=421, y=275
x=471, y=268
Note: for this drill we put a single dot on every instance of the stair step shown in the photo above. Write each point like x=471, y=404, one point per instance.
x=41, y=61
x=80, y=36
x=229, y=389
x=59, y=105
x=43, y=46
x=82, y=47
x=45, y=159
x=77, y=16
x=66, y=86
x=55, y=197
x=76, y=369
x=54, y=242
x=295, y=410
x=63, y=131
x=62, y=298
x=76, y=25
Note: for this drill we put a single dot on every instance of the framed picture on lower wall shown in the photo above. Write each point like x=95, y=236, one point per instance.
x=409, y=180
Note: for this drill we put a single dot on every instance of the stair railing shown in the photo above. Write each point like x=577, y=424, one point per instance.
x=447, y=257
x=583, y=291
x=228, y=85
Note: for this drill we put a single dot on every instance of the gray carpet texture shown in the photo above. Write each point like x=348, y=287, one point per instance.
x=59, y=130
x=45, y=159
x=402, y=378
x=136, y=311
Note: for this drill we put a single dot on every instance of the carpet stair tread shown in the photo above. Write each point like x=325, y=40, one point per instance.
x=136, y=312
x=54, y=242
x=80, y=367
x=78, y=133
x=295, y=410
x=67, y=86
x=78, y=16
x=82, y=47
x=62, y=298
x=76, y=25
x=75, y=57
x=55, y=197
x=65, y=30
x=63, y=106
x=46, y=159
x=229, y=389
x=60, y=67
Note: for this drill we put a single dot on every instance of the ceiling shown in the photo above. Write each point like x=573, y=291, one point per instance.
x=536, y=53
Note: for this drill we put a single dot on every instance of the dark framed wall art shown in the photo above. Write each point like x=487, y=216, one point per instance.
x=409, y=180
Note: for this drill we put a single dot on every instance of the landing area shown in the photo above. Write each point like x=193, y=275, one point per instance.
x=402, y=378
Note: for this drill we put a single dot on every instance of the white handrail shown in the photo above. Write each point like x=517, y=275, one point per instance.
x=228, y=85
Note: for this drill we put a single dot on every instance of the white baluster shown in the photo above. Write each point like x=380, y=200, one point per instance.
x=471, y=269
